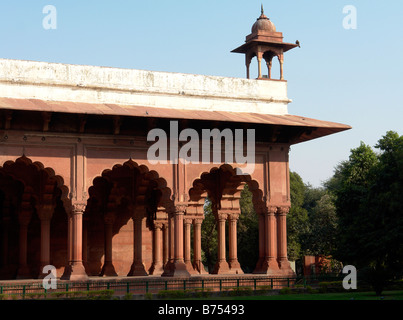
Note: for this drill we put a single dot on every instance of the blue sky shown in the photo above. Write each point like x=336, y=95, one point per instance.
x=347, y=76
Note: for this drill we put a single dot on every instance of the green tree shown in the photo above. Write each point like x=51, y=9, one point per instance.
x=369, y=206
x=209, y=237
x=323, y=227
x=297, y=218
x=248, y=233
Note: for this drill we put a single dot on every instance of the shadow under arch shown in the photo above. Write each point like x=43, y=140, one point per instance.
x=38, y=186
x=223, y=188
x=115, y=195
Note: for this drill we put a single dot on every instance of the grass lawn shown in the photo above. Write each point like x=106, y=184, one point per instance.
x=387, y=295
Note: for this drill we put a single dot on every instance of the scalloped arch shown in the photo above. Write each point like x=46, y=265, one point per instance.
x=37, y=166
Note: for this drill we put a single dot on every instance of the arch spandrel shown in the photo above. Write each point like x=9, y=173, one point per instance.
x=229, y=188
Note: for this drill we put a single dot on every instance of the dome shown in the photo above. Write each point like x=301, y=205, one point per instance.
x=263, y=24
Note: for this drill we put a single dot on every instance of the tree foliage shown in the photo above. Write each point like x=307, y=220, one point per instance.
x=369, y=188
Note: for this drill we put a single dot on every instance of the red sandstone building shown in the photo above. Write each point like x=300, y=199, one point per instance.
x=78, y=191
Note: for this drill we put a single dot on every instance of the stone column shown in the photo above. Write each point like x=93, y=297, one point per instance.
x=281, y=60
x=248, y=61
x=197, y=263
x=75, y=269
x=179, y=267
x=283, y=262
x=45, y=213
x=271, y=240
x=233, y=262
x=157, y=267
x=165, y=235
x=269, y=65
x=259, y=61
x=170, y=245
x=222, y=264
x=24, y=217
x=108, y=270
x=138, y=268
x=187, y=245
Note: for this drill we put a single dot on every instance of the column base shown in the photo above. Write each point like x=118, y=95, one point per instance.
x=258, y=269
x=74, y=271
x=137, y=270
x=221, y=267
x=157, y=269
x=235, y=267
x=269, y=267
x=285, y=268
x=108, y=270
x=176, y=269
x=199, y=268
x=190, y=268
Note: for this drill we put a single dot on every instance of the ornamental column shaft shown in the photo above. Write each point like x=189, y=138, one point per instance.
x=138, y=268
x=271, y=237
x=177, y=268
x=45, y=213
x=108, y=270
x=222, y=264
x=165, y=242
x=282, y=238
x=197, y=263
x=24, y=217
x=234, y=265
x=187, y=244
x=75, y=269
x=157, y=267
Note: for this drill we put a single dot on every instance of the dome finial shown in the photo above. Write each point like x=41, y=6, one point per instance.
x=262, y=10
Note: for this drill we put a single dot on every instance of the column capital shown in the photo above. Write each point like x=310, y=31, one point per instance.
x=158, y=225
x=78, y=208
x=180, y=208
x=187, y=220
x=222, y=216
x=233, y=216
x=283, y=210
x=45, y=211
x=24, y=216
x=271, y=210
x=198, y=221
